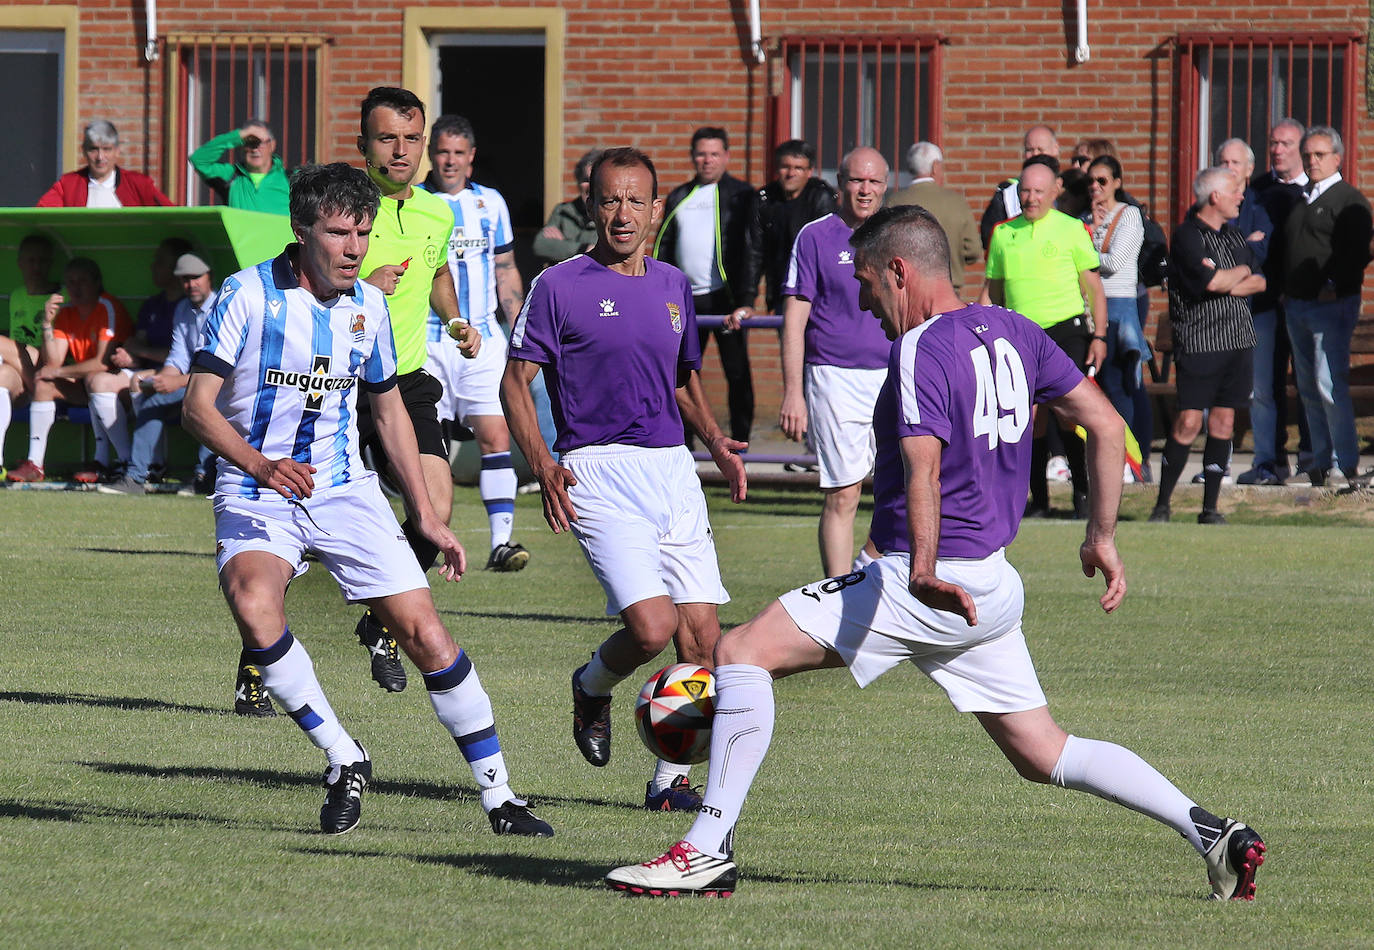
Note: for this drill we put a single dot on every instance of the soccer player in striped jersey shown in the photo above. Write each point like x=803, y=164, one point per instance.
x=481, y=258
x=273, y=392
x=953, y=423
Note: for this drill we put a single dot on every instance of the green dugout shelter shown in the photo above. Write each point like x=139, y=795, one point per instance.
x=122, y=241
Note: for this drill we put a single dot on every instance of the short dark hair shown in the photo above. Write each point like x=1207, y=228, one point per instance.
x=336, y=188
x=625, y=157
x=906, y=231
x=392, y=97
x=36, y=242
x=585, y=164
x=795, y=148
x=175, y=247
x=711, y=132
x=1049, y=161
x=452, y=125
x=88, y=267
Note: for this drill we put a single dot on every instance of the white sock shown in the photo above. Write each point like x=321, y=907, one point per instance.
x=107, y=411
x=598, y=679
x=665, y=773
x=41, y=417
x=289, y=676
x=740, y=736
x=496, y=484
x=1117, y=774
x=6, y=412
x=464, y=709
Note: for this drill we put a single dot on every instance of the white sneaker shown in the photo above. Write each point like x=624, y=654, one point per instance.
x=1058, y=469
x=1232, y=861
x=681, y=872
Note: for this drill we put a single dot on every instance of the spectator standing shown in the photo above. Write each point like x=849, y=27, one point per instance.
x=702, y=234
x=834, y=355
x=1279, y=190
x=926, y=163
x=101, y=183
x=256, y=180
x=1326, y=249
x=1006, y=201
x=570, y=229
x=1042, y=264
x=1211, y=272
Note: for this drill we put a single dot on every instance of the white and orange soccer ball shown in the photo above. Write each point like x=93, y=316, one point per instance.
x=674, y=711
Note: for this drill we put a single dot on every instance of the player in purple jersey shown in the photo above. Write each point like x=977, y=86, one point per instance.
x=953, y=422
x=615, y=332
x=272, y=392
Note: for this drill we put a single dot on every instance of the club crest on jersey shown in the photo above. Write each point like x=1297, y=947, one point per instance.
x=608, y=308
x=432, y=256
x=313, y=384
x=846, y=257
x=358, y=326
x=675, y=315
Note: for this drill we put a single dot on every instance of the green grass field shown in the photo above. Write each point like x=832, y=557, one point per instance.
x=135, y=810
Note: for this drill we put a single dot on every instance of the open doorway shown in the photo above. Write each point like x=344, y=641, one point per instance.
x=496, y=80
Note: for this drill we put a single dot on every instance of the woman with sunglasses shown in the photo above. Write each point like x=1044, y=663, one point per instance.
x=1118, y=231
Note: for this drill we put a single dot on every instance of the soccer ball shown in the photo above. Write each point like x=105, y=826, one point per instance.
x=674, y=710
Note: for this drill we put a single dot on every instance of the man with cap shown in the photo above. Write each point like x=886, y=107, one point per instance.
x=159, y=394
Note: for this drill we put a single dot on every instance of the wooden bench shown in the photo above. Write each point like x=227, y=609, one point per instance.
x=1160, y=385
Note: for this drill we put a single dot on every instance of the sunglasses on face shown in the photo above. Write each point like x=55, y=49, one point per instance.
x=1104, y=182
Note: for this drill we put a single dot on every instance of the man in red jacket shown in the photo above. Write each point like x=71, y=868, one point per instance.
x=102, y=183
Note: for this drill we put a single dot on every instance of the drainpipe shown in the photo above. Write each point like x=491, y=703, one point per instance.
x=755, y=30
x=150, y=48
x=1081, y=51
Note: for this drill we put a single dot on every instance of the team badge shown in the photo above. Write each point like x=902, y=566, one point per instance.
x=846, y=257
x=432, y=256
x=359, y=325
x=608, y=308
x=675, y=315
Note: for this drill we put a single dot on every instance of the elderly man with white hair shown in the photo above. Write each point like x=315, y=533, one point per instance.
x=101, y=183
x=1212, y=269
x=926, y=163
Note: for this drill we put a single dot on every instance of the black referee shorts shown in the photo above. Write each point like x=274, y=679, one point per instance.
x=1222, y=379
x=421, y=393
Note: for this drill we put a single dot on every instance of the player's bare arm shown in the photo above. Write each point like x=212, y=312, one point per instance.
x=696, y=411
x=397, y=435
x=203, y=420
x=443, y=299
x=796, y=312
x=1090, y=283
x=994, y=293
x=554, y=480
x=921, y=461
x=1085, y=405
x=510, y=290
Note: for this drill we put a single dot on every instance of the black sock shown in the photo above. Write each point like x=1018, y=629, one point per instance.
x=1216, y=454
x=1075, y=453
x=1039, y=484
x=1175, y=457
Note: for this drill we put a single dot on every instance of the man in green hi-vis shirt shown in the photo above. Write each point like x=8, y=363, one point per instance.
x=257, y=182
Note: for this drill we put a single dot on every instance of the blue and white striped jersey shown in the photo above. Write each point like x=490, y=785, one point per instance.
x=290, y=366
x=481, y=230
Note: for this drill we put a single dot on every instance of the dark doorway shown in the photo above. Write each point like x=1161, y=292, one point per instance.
x=497, y=82
x=31, y=69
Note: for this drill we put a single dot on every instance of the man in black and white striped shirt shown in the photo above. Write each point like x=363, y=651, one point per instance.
x=1211, y=272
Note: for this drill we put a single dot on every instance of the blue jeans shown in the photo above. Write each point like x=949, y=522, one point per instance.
x=1320, y=334
x=1120, y=376
x=151, y=414
x=1264, y=408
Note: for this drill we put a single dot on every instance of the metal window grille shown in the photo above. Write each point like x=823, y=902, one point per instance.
x=217, y=81
x=839, y=92
x=1239, y=85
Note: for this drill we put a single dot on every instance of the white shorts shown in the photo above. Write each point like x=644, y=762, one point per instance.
x=873, y=622
x=472, y=387
x=839, y=410
x=351, y=529
x=642, y=525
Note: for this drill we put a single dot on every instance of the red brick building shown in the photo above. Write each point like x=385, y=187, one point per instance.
x=543, y=82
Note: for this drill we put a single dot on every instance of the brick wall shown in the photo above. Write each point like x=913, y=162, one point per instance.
x=637, y=73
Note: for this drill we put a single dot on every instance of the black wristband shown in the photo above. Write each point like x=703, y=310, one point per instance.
x=1102, y=338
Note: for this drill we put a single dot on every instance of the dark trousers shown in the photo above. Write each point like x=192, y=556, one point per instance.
x=734, y=360
x=1073, y=338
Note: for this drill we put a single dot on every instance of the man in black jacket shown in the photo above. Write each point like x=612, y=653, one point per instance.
x=703, y=235
x=777, y=212
x=1326, y=249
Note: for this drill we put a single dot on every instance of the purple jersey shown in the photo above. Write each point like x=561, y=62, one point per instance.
x=612, y=347
x=968, y=378
x=822, y=272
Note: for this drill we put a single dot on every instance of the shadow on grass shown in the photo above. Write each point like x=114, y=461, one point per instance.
x=594, y=620
x=197, y=554
x=277, y=778
x=110, y=702
x=84, y=812
x=563, y=872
